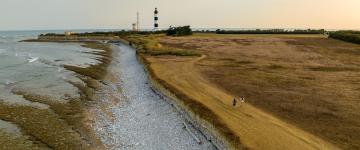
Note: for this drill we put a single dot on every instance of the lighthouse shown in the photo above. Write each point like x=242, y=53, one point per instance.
x=156, y=19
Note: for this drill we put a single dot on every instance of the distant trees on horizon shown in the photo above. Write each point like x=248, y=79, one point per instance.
x=348, y=36
x=271, y=31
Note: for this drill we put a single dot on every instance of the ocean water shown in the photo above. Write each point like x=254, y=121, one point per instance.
x=37, y=68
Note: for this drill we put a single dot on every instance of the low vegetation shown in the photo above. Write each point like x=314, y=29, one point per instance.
x=348, y=36
x=178, y=31
x=104, y=34
x=149, y=44
x=309, y=81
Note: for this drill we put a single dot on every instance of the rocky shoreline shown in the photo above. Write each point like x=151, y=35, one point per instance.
x=206, y=128
x=140, y=118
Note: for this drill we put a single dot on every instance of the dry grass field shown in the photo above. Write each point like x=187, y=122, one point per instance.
x=302, y=91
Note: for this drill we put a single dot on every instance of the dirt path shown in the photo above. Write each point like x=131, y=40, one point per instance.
x=142, y=120
x=256, y=129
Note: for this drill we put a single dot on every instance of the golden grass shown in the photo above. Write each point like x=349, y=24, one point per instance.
x=308, y=81
x=150, y=45
x=214, y=35
x=281, y=74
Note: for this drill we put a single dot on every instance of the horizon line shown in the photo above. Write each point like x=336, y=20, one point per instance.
x=194, y=28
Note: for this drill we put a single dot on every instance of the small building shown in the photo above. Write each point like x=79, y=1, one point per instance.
x=134, y=27
x=68, y=33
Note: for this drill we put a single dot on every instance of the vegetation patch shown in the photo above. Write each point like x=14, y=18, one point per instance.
x=150, y=45
x=311, y=92
x=179, y=31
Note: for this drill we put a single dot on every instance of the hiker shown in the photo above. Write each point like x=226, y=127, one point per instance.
x=234, y=102
x=242, y=100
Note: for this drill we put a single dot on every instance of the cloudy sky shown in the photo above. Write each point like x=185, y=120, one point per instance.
x=115, y=14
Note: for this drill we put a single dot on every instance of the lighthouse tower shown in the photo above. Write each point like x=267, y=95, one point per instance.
x=156, y=19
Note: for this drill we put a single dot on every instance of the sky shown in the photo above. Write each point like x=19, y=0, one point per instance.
x=120, y=14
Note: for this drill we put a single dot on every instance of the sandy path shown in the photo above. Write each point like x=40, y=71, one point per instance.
x=142, y=120
x=256, y=129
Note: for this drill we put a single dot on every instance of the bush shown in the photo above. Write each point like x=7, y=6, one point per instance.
x=179, y=31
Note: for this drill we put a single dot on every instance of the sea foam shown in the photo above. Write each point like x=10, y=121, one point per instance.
x=33, y=59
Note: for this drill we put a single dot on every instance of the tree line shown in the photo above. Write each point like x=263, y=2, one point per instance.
x=172, y=31
x=348, y=36
x=271, y=31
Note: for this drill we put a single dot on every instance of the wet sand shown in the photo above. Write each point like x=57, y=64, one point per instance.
x=49, y=110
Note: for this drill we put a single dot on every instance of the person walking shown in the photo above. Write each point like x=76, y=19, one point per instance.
x=234, y=102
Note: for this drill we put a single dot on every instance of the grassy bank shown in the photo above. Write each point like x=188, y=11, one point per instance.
x=196, y=107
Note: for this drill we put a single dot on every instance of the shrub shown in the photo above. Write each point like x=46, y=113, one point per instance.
x=179, y=31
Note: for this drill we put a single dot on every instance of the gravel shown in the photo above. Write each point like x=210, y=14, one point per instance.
x=142, y=119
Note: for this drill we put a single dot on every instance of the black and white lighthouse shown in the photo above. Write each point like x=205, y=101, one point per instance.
x=156, y=20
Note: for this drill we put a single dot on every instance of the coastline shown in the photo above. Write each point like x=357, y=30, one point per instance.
x=95, y=103
x=140, y=118
x=209, y=122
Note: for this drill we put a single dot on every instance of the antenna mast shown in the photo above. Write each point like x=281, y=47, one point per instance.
x=137, y=22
